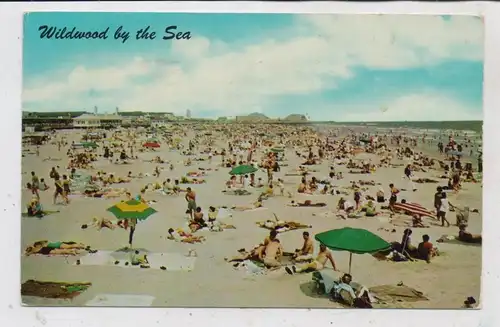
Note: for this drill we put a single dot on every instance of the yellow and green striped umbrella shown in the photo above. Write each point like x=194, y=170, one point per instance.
x=132, y=209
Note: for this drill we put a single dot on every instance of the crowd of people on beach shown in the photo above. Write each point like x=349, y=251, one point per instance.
x=259, y=166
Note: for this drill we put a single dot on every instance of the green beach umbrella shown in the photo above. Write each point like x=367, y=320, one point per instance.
x=132, y=209
x=354, y=240
x=277, y=150
x=242, y=170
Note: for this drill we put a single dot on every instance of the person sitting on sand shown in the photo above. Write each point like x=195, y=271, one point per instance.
x=271, y=256
x=465, y=236
x=180, y=236
x=426, y=250
x=345, y=205
x=35, y=208
x=55, y=248
x=198, y=222
x=380, y=195
x=317, y=264
x=306, y=252
x=370, y=209
x=343, y=291
x=417, y=221
x=303, y=187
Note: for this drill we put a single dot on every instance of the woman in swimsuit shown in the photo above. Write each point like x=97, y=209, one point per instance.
x=46, y=248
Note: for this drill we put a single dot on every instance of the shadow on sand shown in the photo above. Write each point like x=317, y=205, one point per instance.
x=309, y=289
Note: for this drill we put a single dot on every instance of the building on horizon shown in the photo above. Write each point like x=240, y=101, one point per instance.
x=97, y=121
x=188, y=114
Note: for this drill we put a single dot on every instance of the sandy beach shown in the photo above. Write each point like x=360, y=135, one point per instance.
x=446, y=281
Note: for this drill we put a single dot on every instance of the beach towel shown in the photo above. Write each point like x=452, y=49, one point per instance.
x=393, y=293
x=53, y=290
x=121, y=300
x=172, y=261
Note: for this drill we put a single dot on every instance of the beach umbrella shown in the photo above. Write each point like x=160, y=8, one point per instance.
x=277, y=150
x=132, y=209
x=152, y=140
x=151, y=145
x=242, y=170
x=353, y=240
x=414, y=209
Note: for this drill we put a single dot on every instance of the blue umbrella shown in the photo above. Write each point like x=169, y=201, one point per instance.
x=456, y=153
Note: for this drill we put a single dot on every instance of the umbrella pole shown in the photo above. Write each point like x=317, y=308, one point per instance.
x=350, y=262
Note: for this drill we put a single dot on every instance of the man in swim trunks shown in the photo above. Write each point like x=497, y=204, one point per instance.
x=273, y=253
x=35, y=185
x=191, y=201
x=306, y=252
x=46, y=248
x=318, y=264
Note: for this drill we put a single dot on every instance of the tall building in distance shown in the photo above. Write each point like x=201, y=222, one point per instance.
x=117, y=111
x=95, y=110
x=188, y=113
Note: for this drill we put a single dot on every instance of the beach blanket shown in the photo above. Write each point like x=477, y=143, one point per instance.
x=171, y=261
x=121, y=300
x=393, y=293
x=53, y=290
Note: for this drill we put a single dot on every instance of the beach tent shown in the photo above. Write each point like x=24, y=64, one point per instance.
x=414, y=209
x=353, y=240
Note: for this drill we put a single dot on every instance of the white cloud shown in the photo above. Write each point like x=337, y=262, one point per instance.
x=415, y=107
x=213, y=75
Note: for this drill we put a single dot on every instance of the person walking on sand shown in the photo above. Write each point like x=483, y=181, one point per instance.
x=191, y=202
x=409, y=175
x=443, y=209
x=394, y=196
x=59, y=190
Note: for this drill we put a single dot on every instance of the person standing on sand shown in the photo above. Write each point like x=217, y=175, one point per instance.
x=191, y=202
x=437, y=199
x=394, y=196
x=409, y=174
x=35, y=185
x=443, y=209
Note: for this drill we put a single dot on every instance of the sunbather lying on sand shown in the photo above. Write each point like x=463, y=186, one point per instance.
x=425, y=180
x=465, y=236
x=100, y=223
x=180, y=236
x=185, y=180
x=236, y=192
x=306, y=203
x=55, y=248
x=281, y=226
x=255, y=205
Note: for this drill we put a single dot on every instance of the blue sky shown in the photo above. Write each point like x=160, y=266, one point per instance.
x=332, y=67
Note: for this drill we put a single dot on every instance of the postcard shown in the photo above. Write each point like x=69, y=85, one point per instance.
x=252, y=160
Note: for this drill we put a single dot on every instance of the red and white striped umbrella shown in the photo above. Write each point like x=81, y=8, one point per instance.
x=414, y=208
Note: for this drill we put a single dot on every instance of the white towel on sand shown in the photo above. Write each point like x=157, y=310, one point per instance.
x=172, y=261
x=121, y=300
